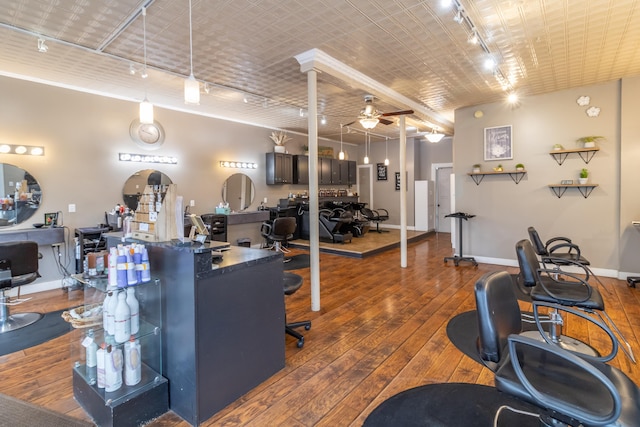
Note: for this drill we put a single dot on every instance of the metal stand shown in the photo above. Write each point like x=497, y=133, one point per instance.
x=11, y=322
x=458, y=258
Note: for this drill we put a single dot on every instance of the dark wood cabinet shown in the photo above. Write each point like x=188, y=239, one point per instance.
x=279, y=168
x=330, y=171
x=301, y=170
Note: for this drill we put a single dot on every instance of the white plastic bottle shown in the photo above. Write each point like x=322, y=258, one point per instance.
x=105, y=310
x=134, y=310
x=113, y=268
x=146, y=267
x=113, y=369
x=122, y=319
x=111, y=313
x=132, y=362
x=100, y=365
x=91, y=357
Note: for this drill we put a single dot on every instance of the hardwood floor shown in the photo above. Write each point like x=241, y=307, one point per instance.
x=381, y=330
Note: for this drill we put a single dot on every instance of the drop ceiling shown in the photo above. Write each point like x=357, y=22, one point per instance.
x=412, y=53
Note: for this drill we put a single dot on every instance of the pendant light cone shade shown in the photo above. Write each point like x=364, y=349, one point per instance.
x=366, y=149
x=191, y=90
x=434, y=136
x=341, y=154
x=386, y=152
x=146, y=112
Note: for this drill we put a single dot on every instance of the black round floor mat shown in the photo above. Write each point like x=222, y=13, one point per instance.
x=450, y=405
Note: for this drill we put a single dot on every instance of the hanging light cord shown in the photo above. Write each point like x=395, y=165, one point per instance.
x=190, y=39
x=144, y=38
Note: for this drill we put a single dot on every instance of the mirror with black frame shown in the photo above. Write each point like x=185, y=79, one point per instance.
x=238, y=191
x=135, y=185
x=21, y=195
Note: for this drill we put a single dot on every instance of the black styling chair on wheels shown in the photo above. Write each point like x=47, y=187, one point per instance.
x=18, y=266
x=375, y=215
x=568, y=388
x=279, y=232
x=566, y=289
x=293, y=282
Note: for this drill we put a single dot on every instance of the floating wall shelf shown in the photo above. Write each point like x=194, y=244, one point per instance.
x=585, y=189
x=516, y=176
x=586, y=154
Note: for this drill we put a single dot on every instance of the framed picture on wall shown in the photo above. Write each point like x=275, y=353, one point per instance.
x=382, y=171
x=498, y=143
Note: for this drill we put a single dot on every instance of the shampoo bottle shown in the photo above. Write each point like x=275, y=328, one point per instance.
x=146, y=267
x=134, y=310
x=105, y=311
x=113, y=302
x=91, y=358
x=100, y=358
x=122, y=319
x=113, y=369
x=132, y=362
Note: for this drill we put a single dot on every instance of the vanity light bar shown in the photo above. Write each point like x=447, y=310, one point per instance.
x=30, y=150
x=145, y=158
x=242, y=165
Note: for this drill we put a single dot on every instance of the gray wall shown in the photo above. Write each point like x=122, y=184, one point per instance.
x=600, y=224
x=83, y=134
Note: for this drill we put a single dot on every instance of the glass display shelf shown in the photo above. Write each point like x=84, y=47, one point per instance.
x=151, y=391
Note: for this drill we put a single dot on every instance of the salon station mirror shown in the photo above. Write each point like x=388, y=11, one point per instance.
x=135, y=185
x=21, y=195
x=238, y=191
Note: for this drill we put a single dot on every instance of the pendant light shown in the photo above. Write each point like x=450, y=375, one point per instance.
x=341, y=154
x=366, y=149
x=191, y=85
x=146, y=108
x=386, y=152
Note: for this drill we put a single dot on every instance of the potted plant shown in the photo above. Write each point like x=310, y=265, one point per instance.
x=476, y=168
x=519, y=167
x=557, y=147
x=584, y=176
x=279, y=138
x=498, y=168
x=590, y=141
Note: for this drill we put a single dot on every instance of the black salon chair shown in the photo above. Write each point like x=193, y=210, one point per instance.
x=375, y=215
x=561, y=249
x=18, y=266
x=279, y=232
x=567, y=289
x=293, y=282
x=331, y=226
x=568, y=388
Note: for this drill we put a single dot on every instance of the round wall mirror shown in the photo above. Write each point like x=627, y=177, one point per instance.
x=238, y=190
x=21, y=195
x=135, y=185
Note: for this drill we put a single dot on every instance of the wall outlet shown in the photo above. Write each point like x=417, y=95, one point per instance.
x=72, y=207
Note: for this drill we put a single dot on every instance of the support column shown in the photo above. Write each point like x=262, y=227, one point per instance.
x=314, y=221
x=403, y=192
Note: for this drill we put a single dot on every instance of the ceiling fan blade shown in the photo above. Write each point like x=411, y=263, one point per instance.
x=397, y=113
x=385, y=121
x=348, y=124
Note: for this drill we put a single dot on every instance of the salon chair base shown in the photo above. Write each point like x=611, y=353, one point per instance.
x=458, y=259
x=568, y=343
x=15, y=321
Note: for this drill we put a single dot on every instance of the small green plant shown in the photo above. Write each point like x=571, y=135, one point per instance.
x=590, y=138
x=584, y=173
x=558, y=147
x=476, y=166
x=519, y=166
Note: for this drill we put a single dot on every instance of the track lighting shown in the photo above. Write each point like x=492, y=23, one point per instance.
x=458, y=18
x=207, y=87
x=512, y=98
x=473, y=37
x=490, y=64
x=434, y=136
x=42, y=47
x=191, y=85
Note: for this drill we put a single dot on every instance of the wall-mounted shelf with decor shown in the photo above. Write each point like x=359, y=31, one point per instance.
x=585, y=189
x=516, y=176
x=586, y=154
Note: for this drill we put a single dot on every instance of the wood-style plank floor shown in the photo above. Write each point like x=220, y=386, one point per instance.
x=381, y=330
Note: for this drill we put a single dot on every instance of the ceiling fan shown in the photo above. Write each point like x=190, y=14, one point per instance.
x=369, y=116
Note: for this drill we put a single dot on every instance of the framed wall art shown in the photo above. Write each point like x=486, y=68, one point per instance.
x=498, y=143
x=382, y=171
